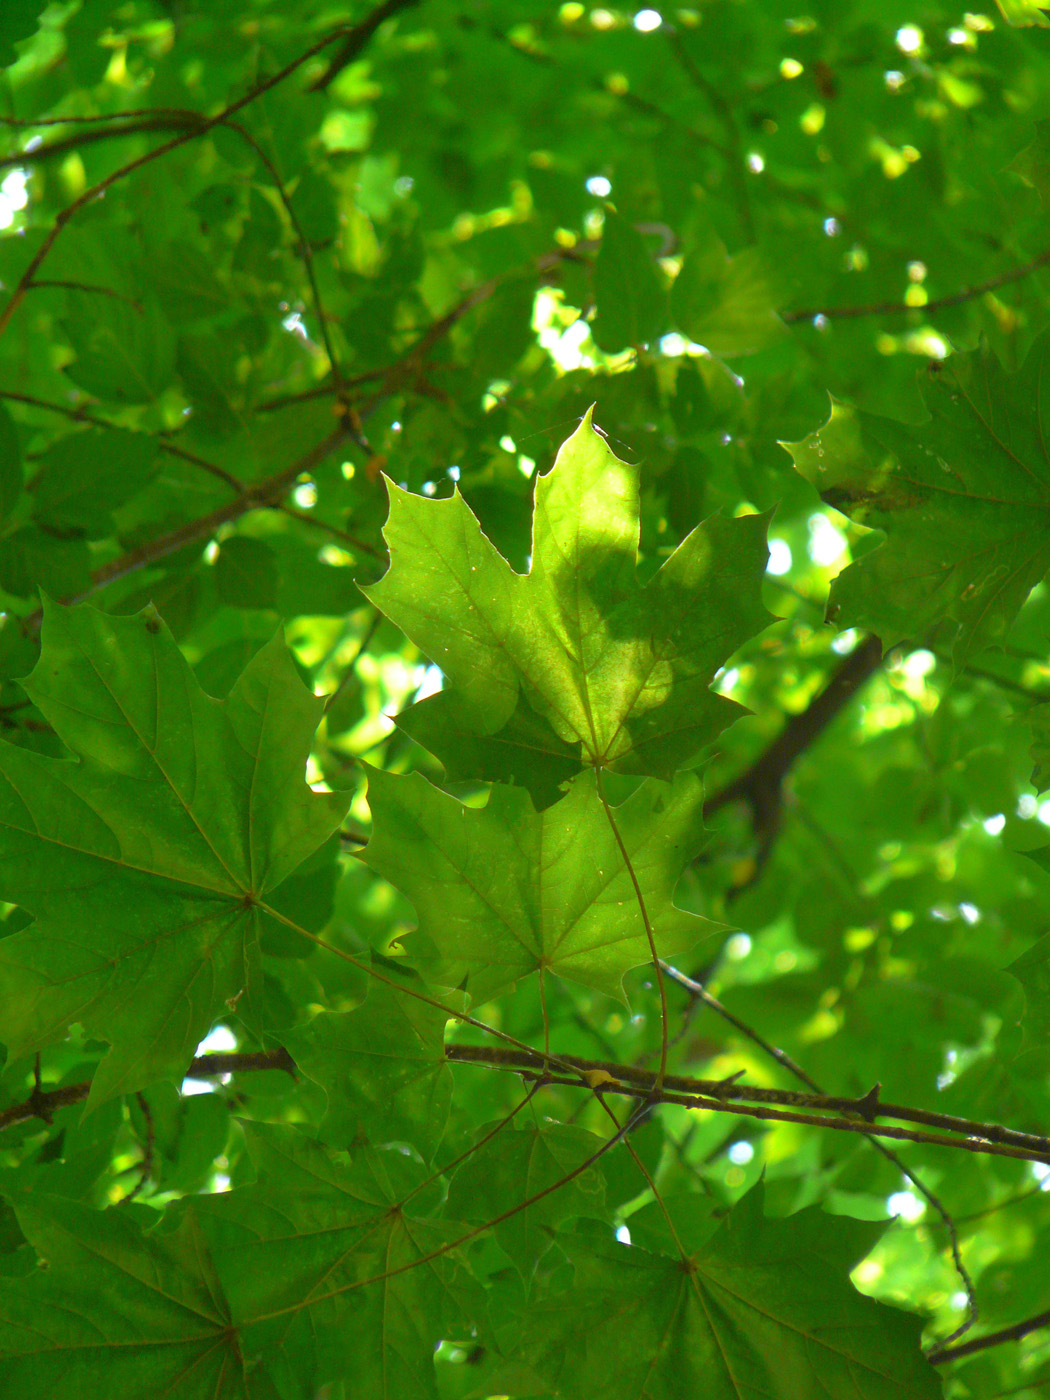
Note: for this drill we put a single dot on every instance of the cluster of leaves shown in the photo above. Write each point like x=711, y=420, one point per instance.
x=376, y=998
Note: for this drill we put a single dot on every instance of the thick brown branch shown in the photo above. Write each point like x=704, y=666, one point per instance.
x=44, y=1103
x=762, y=785
x=732, y=1097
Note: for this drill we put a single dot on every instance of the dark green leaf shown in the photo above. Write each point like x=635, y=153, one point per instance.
x=383, y=1068
x=10, y=465
x=762, y=1309
x=964, y=500
x=145, y=860
x=725, y=303
x=629, y=290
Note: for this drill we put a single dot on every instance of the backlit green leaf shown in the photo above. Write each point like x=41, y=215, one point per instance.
x=620, y=669
x=503, y=891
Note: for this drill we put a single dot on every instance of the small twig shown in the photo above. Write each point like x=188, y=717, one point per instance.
x=172, y=120
x=354, y=838
x=699, y=993
x=336, y=530
x=146, y=1165
x=658, y=966
x=348, y=669
x=86, y=287
x=734, y=152
x=205, y=124
x=255, y=497
x=321, y=391
x=894, y=308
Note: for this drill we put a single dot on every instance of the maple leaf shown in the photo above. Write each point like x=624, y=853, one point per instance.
x=382, y=1066
x=152, y=1322
x=621, y=670
x=964, y=499
x=146, y=859
x=763, y=1309
x=503, y=891
x=328, y=1274
x=519, y=1164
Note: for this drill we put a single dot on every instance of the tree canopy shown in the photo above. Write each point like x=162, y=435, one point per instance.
x=525, y=700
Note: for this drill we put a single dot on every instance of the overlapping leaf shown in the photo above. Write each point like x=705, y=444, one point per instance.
x=144, y=861
x=152, y=1321
x=504, y=891
x=763, y=1310
x=964, y=500
x=519, y=1164
x=383, y=1068
x=620, y=670
x=327, y=1276
x=629, y=292
x=725, y=303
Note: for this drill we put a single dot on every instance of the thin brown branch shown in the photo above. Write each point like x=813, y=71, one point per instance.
x=321, y=391
x=358, y=38
x=312, y=1299
x=734, y=153
x=83, y=414
x=171, y=120
x=993, y=1339
x=354, y=839
x=258, y=496
x=86, y=287
x=146, y=1165
x=626, y=98
x=896, y=308
x=349, y=673
x=94, y=191
x=305, y=252
x=646, y=923
x=699, y=993
x=73, y=120
x=335, y=530
x=44, y=1103
x=779, y=1105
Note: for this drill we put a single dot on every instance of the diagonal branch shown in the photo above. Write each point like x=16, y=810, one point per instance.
x=762, y=785
x=1007, y=1334
x=894, y=308
x=203, y=126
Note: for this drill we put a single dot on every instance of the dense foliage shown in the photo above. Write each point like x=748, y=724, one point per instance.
x=478, y=922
